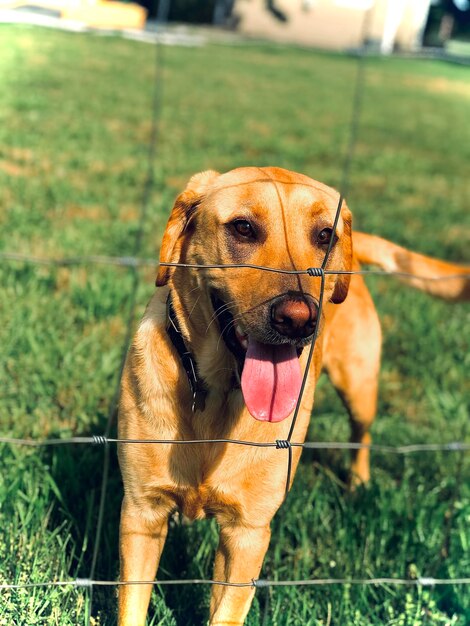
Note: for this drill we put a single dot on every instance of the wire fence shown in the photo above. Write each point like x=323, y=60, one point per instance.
x=133, y=263
x=452, y=446
x=420, y=581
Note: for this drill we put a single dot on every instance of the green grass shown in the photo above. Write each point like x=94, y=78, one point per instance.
x=74, y=122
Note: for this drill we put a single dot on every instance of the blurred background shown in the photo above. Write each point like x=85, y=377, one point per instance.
x=106, y=110
x=404, y=25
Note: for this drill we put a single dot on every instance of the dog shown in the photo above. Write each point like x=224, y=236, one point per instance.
x=220, y=353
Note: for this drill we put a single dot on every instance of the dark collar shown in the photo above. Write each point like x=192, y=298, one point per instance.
x=198, y=389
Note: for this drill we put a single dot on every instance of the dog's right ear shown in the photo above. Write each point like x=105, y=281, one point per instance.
x=184, y=208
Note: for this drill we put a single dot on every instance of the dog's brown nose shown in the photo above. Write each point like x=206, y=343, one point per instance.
x=294, y=316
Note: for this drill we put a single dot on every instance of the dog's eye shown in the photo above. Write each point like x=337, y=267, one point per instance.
x=324, y=236
x=244, y=229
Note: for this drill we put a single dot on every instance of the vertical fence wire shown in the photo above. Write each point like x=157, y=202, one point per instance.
x=358, y=92
x=149, y=182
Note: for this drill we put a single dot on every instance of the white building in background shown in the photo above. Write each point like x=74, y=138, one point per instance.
x=336, y=24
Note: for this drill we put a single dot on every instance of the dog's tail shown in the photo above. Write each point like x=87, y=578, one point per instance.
x=438, y=278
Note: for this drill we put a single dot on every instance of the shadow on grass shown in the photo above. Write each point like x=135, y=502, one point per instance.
x=77, y=471
x=188, y=551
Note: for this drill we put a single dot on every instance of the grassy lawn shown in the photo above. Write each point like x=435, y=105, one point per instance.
x=74, y=122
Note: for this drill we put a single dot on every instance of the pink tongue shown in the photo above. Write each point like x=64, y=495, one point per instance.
x=271, y=380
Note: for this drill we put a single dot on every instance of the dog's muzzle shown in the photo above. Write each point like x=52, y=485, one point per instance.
x=294, y=315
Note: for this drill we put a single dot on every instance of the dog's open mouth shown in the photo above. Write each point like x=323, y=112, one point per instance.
x=271, y=377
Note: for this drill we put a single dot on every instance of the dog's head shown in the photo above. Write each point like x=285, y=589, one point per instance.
x=269, y=217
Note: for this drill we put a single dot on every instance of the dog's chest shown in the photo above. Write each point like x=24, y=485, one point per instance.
x=217, y=479
x=205, y=479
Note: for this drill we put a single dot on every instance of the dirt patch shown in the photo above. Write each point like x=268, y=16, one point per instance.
x=23, y=155
x=129, y=213
x=177, y=182
x=438, y=85
x=92, y=212
x=123, y=165
x=96, y=213
x=13, y=169
x=262, y=129
x=431, y=85
x=65, y=275
x=23, y=162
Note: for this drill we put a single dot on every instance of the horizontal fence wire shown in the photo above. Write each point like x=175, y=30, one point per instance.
x=131, y=261
x=452, y=446
x=421, y=581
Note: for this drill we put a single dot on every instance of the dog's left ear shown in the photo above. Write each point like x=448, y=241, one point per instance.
x=342, y=280
x=185, y=206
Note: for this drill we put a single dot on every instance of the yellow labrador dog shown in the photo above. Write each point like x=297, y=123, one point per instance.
x=220, y=353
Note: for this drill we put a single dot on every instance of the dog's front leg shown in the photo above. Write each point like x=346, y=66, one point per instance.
x=141, y=540
x=239, y=558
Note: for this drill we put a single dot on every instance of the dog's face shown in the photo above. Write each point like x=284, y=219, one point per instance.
x=269, y=217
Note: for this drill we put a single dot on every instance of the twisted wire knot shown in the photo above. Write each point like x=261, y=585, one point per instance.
x=315, y=271
x=282, y=444
x=100, y=440
x=130, y=261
